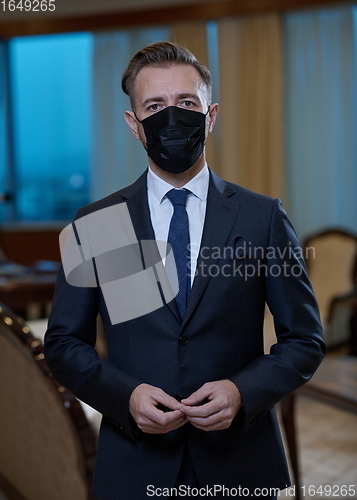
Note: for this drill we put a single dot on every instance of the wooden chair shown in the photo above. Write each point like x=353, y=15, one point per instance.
x=331, y=259
x=343, y=316
x=332, y=267
x=47, y=448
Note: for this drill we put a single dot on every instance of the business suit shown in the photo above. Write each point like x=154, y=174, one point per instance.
x=220, y=337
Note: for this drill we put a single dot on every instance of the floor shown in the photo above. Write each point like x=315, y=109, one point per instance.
x=327, y=440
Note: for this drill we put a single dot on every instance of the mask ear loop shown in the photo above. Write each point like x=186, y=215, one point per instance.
x=140, y=121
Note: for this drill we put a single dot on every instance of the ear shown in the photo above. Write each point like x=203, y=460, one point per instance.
x=212, y=114
x=133, y=123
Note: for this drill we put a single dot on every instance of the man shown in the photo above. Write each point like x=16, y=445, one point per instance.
x=187, y=393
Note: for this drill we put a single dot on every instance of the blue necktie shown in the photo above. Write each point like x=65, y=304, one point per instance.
x=179, y=239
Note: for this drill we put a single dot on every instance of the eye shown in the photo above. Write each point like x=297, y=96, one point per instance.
x=187, y=104
x=154, y=107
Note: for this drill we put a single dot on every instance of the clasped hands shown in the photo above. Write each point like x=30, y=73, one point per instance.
x=224, y=402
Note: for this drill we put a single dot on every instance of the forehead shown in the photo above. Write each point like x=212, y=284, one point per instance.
x=154, y=80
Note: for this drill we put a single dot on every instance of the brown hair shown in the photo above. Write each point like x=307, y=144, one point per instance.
x=162, y=54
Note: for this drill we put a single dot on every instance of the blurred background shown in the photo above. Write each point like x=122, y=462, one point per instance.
x=284, y=73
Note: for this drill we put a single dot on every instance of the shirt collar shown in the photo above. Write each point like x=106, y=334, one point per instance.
x=198, y=185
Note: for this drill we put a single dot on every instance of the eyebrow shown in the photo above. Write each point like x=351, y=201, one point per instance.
x=183, y=95
x=188, y=96
x=153, y=99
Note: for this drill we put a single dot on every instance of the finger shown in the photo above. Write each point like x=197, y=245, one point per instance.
x=196, y=397
x=172, y=420
x=151, y=410
x=162, y=419
x=166, y=400
x=202, y=411
x=215, y=422
x=167, y=418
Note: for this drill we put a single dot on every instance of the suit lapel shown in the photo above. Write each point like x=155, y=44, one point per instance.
x=221, y=213
x=137, y=202
x=136, y=197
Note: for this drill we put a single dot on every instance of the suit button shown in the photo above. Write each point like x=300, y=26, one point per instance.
x=178, y=397
x=183, y=340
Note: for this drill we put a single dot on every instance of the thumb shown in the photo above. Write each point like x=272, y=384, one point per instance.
x=168, y=401
x=197, y=396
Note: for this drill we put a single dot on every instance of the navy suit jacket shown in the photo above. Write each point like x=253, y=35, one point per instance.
x=220, y=337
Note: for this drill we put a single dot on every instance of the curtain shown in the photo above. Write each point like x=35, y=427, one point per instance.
x=7, y=177
x=321, y=132
x=117, y=157
x=251, y=99
x=3, y=71
x=193, y=36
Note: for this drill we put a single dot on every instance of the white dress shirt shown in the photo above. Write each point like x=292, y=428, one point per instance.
x=161, y=209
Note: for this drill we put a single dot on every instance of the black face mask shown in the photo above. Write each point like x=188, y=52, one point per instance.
x=175, y=138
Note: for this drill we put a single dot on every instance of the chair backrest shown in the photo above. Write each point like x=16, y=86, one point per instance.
x=331, y=265
x=47, y=448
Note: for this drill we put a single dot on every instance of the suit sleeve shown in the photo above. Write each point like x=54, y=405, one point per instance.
x=300, y=347
x=73, y=360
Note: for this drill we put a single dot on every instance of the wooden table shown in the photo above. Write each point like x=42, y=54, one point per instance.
x=20, y=292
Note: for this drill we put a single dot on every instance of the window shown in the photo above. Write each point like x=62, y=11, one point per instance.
x=51, y=114
x=3, y=169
